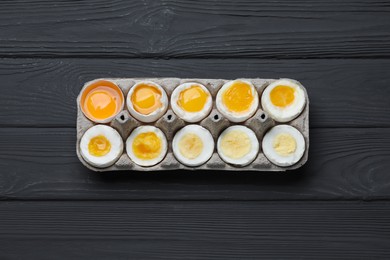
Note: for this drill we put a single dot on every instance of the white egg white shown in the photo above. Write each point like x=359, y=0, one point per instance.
x=247, y=158
x=112, y=136
x=190, y=116
x=273, y=156
x=155, y=114
x=232, y=116
x=146, y=129
x=284, y=114
x=207, y=140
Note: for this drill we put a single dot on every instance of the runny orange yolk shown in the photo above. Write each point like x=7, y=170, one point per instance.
x=147, y=146
x=99, y=146
x=146, y=99
x=102, y=100
x=282, y=96
x=193, y=99
x=238, y=97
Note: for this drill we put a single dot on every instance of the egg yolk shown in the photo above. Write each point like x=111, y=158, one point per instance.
x=282, y=96
x=99, y=146
x=190, y=146
x=235, y=144
x=284, y=144
x=146, y=99
x=102, y=100
x=238, y=97
x=147, y=146
x=193, y=99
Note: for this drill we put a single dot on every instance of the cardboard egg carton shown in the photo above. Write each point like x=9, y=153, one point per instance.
x=215, y=122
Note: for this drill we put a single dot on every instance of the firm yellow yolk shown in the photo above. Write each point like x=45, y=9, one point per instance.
x=147, y=146
x=190, y=146
x=282, y=96
x=193, y=99
x=102, y=100
x=238, y=97
x=146, y=99
x=99, y=146
x=235, y=144
x=284, y=144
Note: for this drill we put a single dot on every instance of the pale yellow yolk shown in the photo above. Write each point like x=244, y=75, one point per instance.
x=190, y=146
x=146, y=99
x=192, y=99
x=99, y=146
x=238, y=97
x=101, y=100
x=235, y=144
x=147, y=146
x=282, y=96
x=284, y=144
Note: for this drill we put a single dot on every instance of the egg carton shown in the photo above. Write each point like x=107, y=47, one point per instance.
x=215, y=122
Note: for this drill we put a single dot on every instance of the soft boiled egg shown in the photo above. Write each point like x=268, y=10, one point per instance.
x=283, y=145
x=237, y=100
x=238, y=145
x=147, y=101
x=146, y=145
x=101, y=146
x=283, y=100
x=193, y=145
x=101, y=101
x=191, y=101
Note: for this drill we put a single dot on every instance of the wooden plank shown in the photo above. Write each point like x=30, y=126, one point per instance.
x=194, y=230
x=185, y=28
x=343, y=93
x=346, y=164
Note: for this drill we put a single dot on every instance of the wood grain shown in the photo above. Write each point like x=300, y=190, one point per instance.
x=194, y=230
x=344, y=164
x=185, y=28
x=343, y=93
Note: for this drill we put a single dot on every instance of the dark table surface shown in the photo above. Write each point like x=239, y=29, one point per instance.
x=336, y=206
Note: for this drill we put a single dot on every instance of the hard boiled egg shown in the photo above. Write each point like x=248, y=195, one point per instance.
x=146, y=145
x=283, y=100
x=283, y=145
x=147, y=101
x=237, y=100
x=238, y=145
x=193, y=145
x=191, y=101
x=101, y=146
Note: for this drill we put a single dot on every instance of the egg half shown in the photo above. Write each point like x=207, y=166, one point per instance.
x=193, y=145
x=147, y=101
x=238, y=145
x=146, y=145
x=283, y=145
x=191, y=101
x=283, y=100
x=101, y=101
x=101, y=146
x=237, y=100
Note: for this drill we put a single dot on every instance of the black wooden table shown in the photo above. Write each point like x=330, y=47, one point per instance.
x=336, y=206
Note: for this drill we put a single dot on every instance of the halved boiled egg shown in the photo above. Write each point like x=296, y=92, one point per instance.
x=191, y=101
x=238, y=145
x=283, y=100
x=283, y=145
x=193, y=145
x=147, y=101
x=101, y=146
x=237, y=100
x=101, y=101
x=146, y=145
